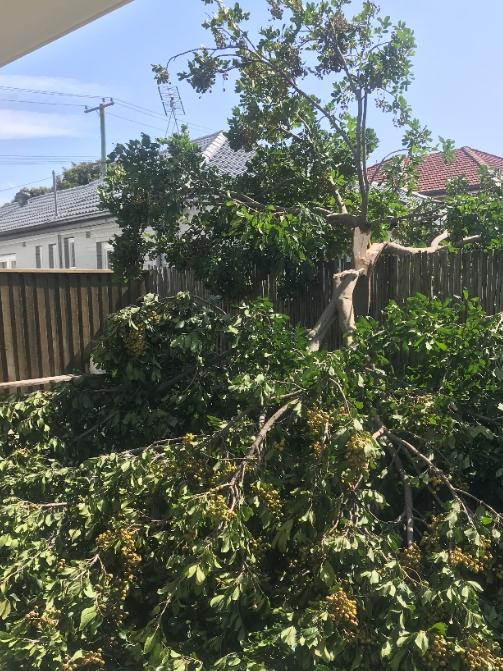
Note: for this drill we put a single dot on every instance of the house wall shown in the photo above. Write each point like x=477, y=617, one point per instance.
x=86, y=234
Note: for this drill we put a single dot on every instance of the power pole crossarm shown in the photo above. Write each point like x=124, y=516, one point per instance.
x=101, y=109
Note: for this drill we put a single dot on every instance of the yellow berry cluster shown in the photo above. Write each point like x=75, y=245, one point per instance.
x=218, y=510
x=343, y=610
x=438, y=654
x=459, y=558
x=111, y=600
x=270, y=497
x=90, y=660
x=431, y=538
x=365, y=638
x=258, y=547
x=479, y=657
x=435, y=482
x=317, y=420
x=125, y=542
x=412, y=558
x=48, y=619
x=187, y=467
x=225, y=470
x=356, y=457
x=307, y=560
x=135, y=341
x=189, y=439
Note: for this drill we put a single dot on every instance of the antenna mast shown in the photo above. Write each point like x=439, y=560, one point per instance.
x=172, y=104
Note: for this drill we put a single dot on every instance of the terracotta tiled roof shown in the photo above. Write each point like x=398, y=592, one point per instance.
x=435, y=173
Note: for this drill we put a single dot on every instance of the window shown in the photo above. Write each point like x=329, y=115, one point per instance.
x=38, y=257
x=69, y=247
x=52, y=255
x=103, y=255
x=8, y=261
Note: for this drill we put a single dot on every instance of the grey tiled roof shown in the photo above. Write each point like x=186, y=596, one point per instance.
x=82, y=202
x=221, y=156
x=79, y=202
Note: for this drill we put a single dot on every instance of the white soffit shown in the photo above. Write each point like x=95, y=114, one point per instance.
x=26, y=25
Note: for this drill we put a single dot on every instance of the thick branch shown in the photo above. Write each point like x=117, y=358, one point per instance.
x=402, y=250
x=407, y=493
x=431, y=466
x=256, y=447
x=341, y=302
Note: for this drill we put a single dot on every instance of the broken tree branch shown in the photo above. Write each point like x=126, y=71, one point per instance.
x=340, y=303
x=256, y=448
x=408, y=504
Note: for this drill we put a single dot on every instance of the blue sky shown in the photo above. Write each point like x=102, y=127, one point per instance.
x=457, y=91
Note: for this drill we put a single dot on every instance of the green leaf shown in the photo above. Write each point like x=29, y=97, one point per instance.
x=149, y=642
x=87, y=616
x=289, y=636
x=421, y=641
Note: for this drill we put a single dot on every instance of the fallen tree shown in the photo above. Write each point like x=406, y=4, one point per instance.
x=307, y=194
x=223, y=498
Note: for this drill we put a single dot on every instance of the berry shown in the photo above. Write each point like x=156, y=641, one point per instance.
x=343, y=611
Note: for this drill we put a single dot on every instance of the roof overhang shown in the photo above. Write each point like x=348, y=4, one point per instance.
x=27, y=25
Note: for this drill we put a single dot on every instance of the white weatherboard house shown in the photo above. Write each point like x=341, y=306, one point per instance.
x=34, y=233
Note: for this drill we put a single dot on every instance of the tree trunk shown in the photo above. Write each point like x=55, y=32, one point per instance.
x=365, y=256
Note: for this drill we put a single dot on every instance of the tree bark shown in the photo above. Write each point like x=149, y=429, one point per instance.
x=365, y=255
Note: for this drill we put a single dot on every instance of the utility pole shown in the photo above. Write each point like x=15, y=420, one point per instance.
x=101, y=109
x=55, y=193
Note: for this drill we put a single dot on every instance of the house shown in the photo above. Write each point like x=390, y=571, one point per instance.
x=68, y=229
x=435, y=173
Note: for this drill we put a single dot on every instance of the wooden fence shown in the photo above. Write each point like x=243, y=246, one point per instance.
x=50, y=318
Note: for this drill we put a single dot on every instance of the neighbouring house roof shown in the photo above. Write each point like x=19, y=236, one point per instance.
x=81, y=203
x=435, y=173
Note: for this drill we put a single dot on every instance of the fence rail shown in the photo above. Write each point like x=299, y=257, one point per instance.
x=49, y=319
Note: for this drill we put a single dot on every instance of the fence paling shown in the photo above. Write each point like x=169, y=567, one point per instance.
x=49, y=319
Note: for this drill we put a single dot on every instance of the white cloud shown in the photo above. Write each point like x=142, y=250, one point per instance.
x=23, y=125
x=66, y=85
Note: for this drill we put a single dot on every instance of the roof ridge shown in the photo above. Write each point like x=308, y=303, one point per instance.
x=218, y=141
x=204, y=137
x=472, y=153
x=51, y=192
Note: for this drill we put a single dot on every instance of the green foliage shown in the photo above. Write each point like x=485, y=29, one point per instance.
x=479, y=213
x=463, y=212
x=77, y=174
x=307, y=81
x=220, y=498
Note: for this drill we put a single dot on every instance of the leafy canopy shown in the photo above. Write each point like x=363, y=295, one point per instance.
x=78, y=174
x=307, y=82
x=220, y=498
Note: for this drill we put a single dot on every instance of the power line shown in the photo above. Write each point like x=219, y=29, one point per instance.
x=140, y=109
x=40, y=102
x=47, y=93
x=19, y=186
x=25, y=159
x=137, y=122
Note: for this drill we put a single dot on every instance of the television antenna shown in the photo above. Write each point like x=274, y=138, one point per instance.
x=172, y=104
